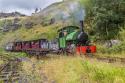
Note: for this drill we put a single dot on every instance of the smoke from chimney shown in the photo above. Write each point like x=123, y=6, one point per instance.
x=78, y=12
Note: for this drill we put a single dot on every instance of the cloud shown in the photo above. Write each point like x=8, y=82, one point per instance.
x=25, y=6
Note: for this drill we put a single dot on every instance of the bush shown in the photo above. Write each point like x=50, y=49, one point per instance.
x=105, y=17
x=103, y=73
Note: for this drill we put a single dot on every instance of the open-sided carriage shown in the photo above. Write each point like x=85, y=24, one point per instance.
x=33, y=47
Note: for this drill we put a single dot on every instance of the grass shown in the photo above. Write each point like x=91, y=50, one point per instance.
x=1, y=62
x=11, y=54
x=49, y=32
x=67, y=69
x=64, y=69
x=114, y=51
x=38, y=31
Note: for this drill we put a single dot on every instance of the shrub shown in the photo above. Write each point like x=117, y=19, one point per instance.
x=105, y=17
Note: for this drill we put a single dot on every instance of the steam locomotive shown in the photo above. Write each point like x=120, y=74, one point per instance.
x=71, y=40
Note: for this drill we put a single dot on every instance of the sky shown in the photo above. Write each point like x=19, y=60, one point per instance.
x=24, y=6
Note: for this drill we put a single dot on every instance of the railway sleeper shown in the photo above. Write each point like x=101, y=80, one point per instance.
x=112, y=60
x=123, y=60
x=5, y=80
x=3, y=76
x=15, y=79
x=4, y=73
x=9, y=76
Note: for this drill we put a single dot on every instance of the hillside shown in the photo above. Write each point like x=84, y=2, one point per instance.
x=28, y=34
x=37, y=26
x=67, y=12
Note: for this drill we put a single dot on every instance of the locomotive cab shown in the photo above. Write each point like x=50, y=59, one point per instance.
x=66, y=35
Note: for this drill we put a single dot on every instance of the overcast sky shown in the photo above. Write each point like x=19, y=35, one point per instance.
x=24, y=6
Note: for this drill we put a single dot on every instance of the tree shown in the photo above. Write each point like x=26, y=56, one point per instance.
x=105, y=17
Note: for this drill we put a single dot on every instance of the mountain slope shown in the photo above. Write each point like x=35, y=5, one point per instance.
x=63, y=13
x=67, y=12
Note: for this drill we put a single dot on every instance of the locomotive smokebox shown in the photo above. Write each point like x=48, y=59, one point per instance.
x=82, y=36
x=81, y=26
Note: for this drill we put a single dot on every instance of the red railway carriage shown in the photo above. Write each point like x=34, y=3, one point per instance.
x=18, y=46
x=35, y=44
x=21, y=46
x=26, y=45
x=30, y=45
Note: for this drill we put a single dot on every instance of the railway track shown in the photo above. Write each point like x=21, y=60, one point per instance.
x=10, y=71
x=109, y=59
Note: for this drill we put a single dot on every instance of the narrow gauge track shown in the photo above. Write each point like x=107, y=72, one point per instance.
x=90, y=56
x=10, y=71
x=109, y=59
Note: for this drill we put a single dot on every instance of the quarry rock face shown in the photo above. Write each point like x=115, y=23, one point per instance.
x=14, y=24
x=29, y=25
x=11, y=25
x=111, y=43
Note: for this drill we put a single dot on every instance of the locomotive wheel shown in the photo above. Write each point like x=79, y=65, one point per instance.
x=71, y=50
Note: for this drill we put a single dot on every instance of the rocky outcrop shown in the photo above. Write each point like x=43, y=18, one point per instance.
x=14, y=24
x=13, y=14
x=111, y=43
x=11, y=25
x=29, y=25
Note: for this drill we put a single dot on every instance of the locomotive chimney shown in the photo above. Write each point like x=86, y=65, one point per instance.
x=81, y=25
